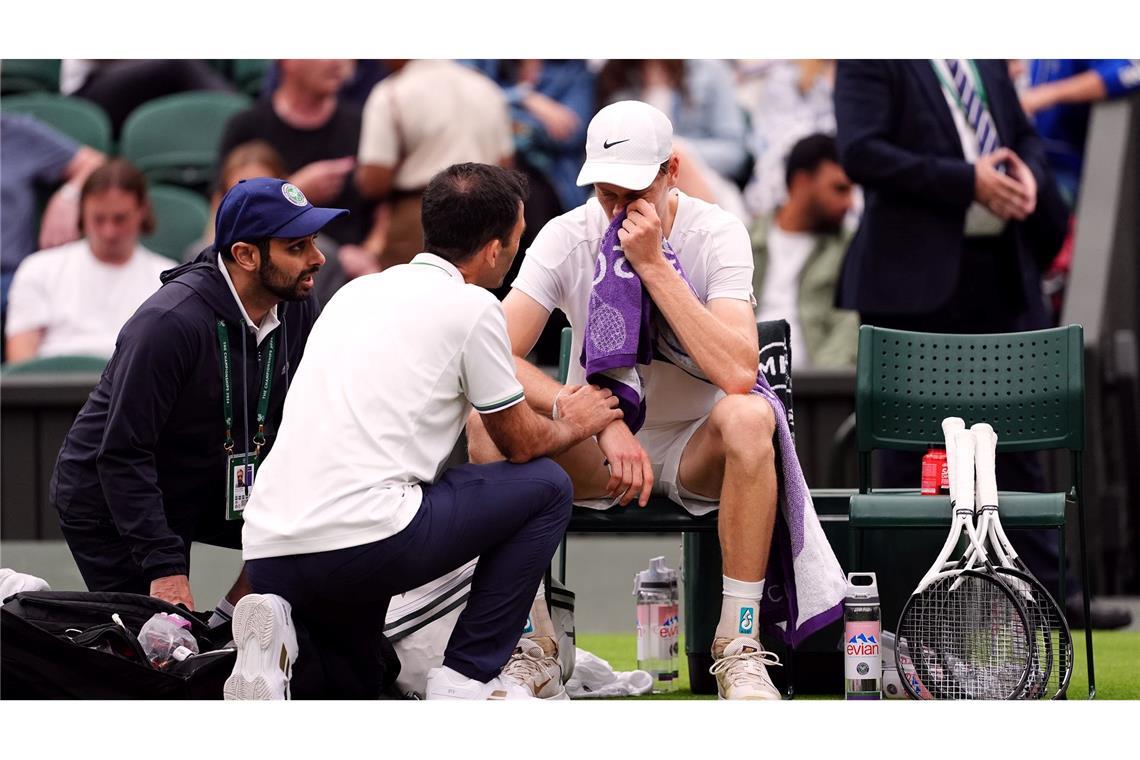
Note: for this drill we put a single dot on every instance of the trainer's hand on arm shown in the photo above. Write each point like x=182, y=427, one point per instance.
x=174, y=589
x=1003, y=194
x=587, y=410
x=522, y=435
x=631, y=472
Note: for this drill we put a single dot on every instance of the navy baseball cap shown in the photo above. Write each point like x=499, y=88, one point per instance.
x=259, y=208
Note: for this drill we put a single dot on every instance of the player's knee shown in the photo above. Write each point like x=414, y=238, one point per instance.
x=746, y=424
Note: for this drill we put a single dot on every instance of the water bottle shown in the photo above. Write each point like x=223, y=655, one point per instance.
x=658, y=624
x=862, y=653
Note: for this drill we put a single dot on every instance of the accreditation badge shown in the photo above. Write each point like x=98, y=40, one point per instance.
x=239, y=483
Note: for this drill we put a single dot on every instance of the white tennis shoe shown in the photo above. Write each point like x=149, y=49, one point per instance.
x=267, y=648
x=741, y=669
x=535, y=665
x=445, y=683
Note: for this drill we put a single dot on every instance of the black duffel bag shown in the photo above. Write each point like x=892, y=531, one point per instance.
x=67, y=645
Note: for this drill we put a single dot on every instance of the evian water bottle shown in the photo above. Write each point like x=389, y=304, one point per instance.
x=862, y=653
x=658, y=623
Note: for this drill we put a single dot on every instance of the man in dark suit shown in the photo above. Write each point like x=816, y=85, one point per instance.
x=961, y=216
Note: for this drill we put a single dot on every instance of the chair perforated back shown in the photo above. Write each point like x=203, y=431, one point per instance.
x=79, y=119
x=29, y=75
x=1029, y=386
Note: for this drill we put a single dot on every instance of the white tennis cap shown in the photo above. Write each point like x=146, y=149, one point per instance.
x=626, y=143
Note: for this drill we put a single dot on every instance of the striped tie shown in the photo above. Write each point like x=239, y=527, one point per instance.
x=976, y=113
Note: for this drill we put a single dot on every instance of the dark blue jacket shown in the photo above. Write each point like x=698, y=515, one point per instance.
x=897, y=139
x=146, y=450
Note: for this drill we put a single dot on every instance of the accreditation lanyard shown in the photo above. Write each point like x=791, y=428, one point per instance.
x=979, y=85
x=228, y=394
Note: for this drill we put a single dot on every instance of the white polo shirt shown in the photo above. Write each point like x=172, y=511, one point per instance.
x=712, y=246
x=390, y=372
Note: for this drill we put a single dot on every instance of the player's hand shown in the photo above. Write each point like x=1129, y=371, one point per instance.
x=174, y=589
x=322, y=181
x=1002, y=194
x=640, y=235
x=587, y=410
x=631, y=472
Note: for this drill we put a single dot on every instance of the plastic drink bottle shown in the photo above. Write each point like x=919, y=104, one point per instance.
x=658, y=623
x=862, y=635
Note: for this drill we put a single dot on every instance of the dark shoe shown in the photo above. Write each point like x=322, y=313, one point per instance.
x=1105, y=617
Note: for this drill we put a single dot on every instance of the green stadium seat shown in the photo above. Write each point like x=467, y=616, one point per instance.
x=180, y=218
x=79, y=119
x=29, y=75
x=248, y=74
x=57, y=365
x=174, y=139
x=1029, y=386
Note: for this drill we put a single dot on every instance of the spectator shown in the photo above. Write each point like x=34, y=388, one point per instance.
x=424, y=117
x=255, y=158
x=354, y=506
x=119, y=87
x=316, y=134
x=798, y=252
x=36, y=156
x=186, y=401
x=949, y=242
x=699, y=97
x=1058, y=99
x=73, y=299
x=365, y=75
x=791, y=100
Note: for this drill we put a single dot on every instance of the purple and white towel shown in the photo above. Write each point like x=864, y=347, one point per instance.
x=805, y=585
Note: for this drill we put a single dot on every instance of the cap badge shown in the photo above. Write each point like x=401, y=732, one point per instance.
x=294, y=195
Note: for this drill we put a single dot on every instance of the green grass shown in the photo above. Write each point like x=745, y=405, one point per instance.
x=1117, y=664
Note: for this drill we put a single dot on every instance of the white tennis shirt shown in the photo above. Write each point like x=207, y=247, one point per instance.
x=390, y=372
x=712, y=246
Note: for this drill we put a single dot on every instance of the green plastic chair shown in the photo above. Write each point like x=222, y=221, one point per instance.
x=248, y=74
x=180, y=218
x=57, y=365
x=29, y=75
x=174, y=139
x=1029, y=386
x=79, y=119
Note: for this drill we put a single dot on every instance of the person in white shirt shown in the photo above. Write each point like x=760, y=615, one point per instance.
x=74, y=299
x=354, y=504
x=702, y=442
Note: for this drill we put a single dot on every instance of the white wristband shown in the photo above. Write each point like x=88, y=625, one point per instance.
x=554, y=406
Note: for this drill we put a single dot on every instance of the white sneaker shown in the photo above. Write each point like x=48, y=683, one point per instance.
x=267, y=648
x=535, y=666
x=741, y=671
x=445, y=683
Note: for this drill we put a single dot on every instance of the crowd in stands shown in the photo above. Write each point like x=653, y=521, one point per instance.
x=754, y=136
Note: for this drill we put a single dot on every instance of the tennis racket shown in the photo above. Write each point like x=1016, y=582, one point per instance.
x=963, y=631
x=1053, y=664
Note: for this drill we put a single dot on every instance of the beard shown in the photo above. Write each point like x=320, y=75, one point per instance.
x=277, y=282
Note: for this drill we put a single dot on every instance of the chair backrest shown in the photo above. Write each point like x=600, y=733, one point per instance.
x=775, y=360
x=57, y=365
x=1029, y=386
x=29, y=75
x=79, y=119
x=175, y=138
x=248, y=74
x=180, y=218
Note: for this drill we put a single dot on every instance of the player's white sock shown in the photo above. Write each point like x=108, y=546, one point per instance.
x=538, y=623
x=740, y=608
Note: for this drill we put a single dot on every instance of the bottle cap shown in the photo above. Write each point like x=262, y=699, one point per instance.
x=862, y=588
x=656, y=577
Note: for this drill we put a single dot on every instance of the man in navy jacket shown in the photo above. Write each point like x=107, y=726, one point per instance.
x=146, y=468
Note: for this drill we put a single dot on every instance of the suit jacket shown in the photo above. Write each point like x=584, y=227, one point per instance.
x=897, y=139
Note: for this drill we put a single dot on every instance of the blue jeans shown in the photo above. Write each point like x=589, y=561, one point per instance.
x=511, y=516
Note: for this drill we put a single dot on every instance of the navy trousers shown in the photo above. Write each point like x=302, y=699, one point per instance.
x=511, y=516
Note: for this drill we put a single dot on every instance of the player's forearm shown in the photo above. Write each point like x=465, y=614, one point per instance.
x=540, y=388
x=729, y=358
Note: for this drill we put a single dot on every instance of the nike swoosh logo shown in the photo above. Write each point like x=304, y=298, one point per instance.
x=608, y=145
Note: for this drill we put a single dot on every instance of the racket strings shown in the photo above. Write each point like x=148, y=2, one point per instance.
x=967, y=639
